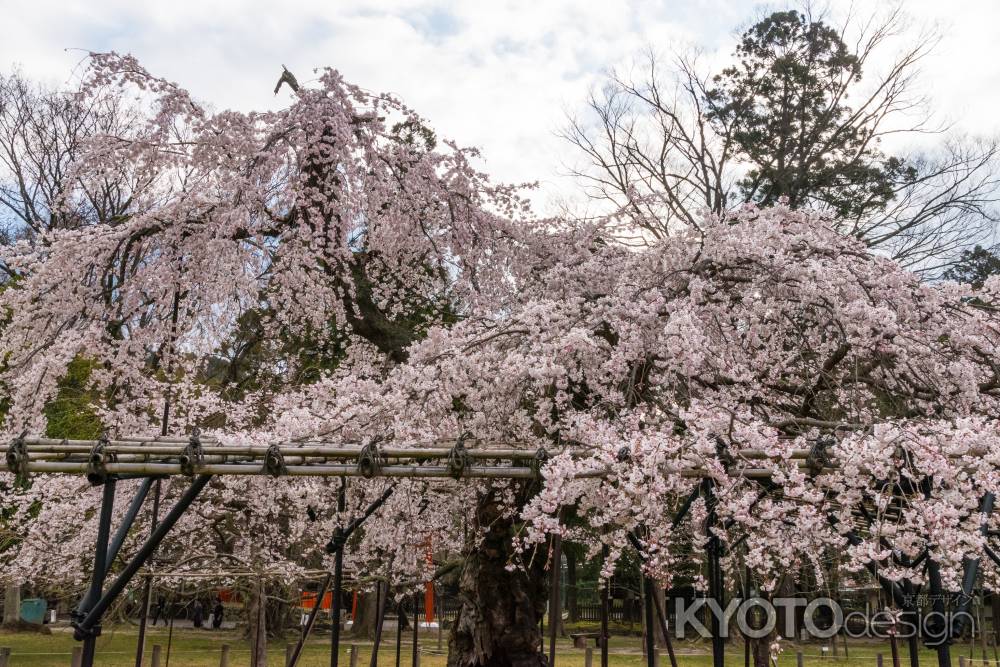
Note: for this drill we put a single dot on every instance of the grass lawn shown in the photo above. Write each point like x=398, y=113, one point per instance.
x=116, y=648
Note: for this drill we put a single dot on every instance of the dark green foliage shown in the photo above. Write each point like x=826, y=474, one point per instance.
x=254, y=361
x=415, y=134
x=975, y=266
x=784, y=107
x=71, y=413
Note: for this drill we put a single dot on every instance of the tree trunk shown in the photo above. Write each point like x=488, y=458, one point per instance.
x=281, y=616
x=660, y=595
x=500, y=610
x=258, y=626
x=761, y=649
x=363, y=626
x=571, y=593
x=11, y=605
x=786, y=589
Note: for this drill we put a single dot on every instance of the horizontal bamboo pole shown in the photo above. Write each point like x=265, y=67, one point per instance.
x=47, y=448
x=316, y=452
x=319, y=470
x=216, y=455
x=320, y=451
x=167, y=444
x=163, y=456
x=334, y=470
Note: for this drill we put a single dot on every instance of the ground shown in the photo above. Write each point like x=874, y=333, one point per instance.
x=190, y=648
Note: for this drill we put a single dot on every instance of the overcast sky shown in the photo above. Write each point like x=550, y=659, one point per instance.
x=500, y=75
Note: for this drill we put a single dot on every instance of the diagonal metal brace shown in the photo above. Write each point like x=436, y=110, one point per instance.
x=116, y=543
x=85, y=627
x=293, y=659
x=660, y=616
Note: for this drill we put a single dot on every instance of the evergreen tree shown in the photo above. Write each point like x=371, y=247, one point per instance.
x=975, y=266
x=784, y=103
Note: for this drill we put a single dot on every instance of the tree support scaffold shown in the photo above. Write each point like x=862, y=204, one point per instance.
x=106, y=461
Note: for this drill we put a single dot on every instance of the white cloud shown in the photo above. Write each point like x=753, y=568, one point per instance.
x=498, y=75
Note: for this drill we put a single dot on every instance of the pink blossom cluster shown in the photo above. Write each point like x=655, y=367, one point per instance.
x=721, y=353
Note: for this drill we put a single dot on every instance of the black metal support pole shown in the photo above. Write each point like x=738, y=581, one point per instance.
x=715, y=584
x=913, y=642
x=83, y=628
x=891, y=588
x=662, y=616
x=746, y=596
x=647, y=622
x=649, y=585
x=307, y=630
x=605, y=612
x=129, y=519
x=399, y=630
x=894, y=647
x=685, y=506
x=116, y=543
x=555, y=608
x=913, y=617
x=336, y=547
x=993, y=557
x=99, y=573
x=335, y=605
x=943, y=634
x=170, y=630
x=940, y=642
x=715, y=593
x=416, y=625
x=338, y=578
x=381, y=593
x=147, y=589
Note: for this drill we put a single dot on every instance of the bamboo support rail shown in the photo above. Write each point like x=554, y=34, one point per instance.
x=166, y=456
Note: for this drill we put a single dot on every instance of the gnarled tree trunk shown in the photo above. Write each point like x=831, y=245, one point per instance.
x=257, y=617
x=363, y=627
x=498, y=620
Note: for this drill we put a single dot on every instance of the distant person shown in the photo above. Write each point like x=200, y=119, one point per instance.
x=198, y=614
x=217, y=612
x=158, y=611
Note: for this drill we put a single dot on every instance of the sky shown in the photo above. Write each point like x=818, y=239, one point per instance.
x=499, y=75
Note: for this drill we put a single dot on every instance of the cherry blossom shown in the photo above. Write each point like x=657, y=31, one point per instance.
x=823, y=399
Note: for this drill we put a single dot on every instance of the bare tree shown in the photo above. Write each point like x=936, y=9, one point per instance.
x=802, y=115
x=948, y=207
x=652, y=151
x=42, y=135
